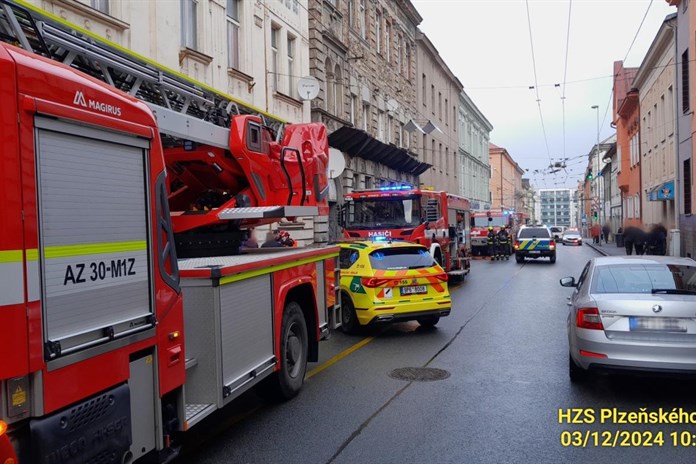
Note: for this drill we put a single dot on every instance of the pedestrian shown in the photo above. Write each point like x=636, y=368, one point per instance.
x=629, y=238
x=658, y=240
x=639, y=240
x=490, y=239
x=503, y=239
x=250, y=241
x=596, y=232
x=606, y=229
x=272, y=240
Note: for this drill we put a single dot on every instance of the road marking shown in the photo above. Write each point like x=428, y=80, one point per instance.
x=338, y=357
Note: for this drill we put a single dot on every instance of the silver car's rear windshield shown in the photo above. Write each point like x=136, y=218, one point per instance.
x=401, y=258
x=534, y=232
x=644, y=278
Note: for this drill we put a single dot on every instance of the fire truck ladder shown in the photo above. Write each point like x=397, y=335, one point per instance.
x=185, y=109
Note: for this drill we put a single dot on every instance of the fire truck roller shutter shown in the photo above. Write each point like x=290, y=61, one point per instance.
x=93, y=234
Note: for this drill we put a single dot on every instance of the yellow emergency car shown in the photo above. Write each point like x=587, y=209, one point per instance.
x=391, y=282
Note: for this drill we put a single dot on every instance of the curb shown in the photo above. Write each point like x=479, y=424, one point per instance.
x=597, y=249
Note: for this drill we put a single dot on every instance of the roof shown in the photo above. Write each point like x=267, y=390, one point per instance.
x=643, y=259
x=357, y=142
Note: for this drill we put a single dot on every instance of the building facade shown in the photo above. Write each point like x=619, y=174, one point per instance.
x=506, y=180
x=655, y=81
x=214, y=42
x=475, y=169
x=685, y=125
x=363, y=55
x=555, y=207
x=438, y=93
x=627, y=121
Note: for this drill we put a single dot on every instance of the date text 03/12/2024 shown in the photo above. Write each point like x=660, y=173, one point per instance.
x=627, y=438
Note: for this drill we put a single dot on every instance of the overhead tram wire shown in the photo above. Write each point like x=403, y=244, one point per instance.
x=565, y=75
x=536, y=87
x=640, y=26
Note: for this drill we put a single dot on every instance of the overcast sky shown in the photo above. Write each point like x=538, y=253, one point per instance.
x=486, y=43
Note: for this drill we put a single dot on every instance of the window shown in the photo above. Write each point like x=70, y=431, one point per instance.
x=380, y=125
x=188, y=24
x=338, y=92
x=233, y=34
x=409, y=74
x=416, y=257
x=424, y=89
x=100, y=5
x=275, y=33
x=687, y=186
x=390, y=128
x=439, y=105
x=366, y=116
x=425, y=145
x=403, y=142
x=330, y=88
x=441, y=164
x=387, y=41
x=670, y=111
x=447, y=159
x=636, y=206
x=353, y=105
x=399, y=61
x=363, y=19
x=432, y=151
x=291, y=65
x=432, y=97
x=350, y=13
x=446, y=112
x=378, y=30
x=644, y=278
x=662, y=122
x=685, y=80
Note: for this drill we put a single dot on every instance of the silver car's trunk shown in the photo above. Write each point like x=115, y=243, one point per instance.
x=648, y=318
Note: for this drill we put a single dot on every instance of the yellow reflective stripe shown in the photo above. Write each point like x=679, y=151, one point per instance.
x=11, y=256
x=66, y=251
x=140, y=57
x=533, y=245
x=32, y=254
x=268, y=270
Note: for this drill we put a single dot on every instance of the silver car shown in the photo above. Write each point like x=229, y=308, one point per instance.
x=572, y=237
x=633, y=313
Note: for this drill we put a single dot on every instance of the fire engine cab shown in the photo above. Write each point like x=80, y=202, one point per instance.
x=481, y=221
x=438, y=220
x=128, y=310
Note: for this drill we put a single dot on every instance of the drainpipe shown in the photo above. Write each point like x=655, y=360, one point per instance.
x=677, y=165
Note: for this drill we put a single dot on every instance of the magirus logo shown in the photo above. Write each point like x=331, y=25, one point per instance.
x=80, y=100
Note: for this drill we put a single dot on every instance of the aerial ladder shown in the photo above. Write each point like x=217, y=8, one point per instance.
x=231, y=166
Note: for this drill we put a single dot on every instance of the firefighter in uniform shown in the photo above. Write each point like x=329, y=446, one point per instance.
x=503, y=243
x=492, y=248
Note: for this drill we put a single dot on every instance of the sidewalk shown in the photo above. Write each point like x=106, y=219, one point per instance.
x=606, y=249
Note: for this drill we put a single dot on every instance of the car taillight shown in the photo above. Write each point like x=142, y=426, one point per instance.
x=552, y=245
x=373, y=282
x=588, y=318
x=517, y=245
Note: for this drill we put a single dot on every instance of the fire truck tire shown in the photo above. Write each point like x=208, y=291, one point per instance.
x=519, y=259
x=349, y=320
x=429, y=321
x=294, y=342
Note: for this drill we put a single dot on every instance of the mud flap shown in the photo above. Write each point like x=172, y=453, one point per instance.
x=97, y=430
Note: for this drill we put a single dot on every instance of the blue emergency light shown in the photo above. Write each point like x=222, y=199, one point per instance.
x=396, y=187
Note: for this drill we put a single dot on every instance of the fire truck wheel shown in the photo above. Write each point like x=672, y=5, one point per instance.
x=287, y=382
x=429, y=321
x=519, y=259
x=349, y=320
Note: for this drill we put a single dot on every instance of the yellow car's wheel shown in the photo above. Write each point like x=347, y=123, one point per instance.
x=349, y=320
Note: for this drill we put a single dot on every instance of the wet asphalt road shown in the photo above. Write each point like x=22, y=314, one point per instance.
x=505, y=347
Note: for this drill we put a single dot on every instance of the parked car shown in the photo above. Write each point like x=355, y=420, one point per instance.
x=632, y=313
x=534, y=242
x=571, y=237
x=556, y=232
x=391, y=282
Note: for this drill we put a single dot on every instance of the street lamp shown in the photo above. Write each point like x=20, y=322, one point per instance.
x=596, y=177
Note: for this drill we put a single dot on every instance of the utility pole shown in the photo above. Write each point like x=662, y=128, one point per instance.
x=596, y=176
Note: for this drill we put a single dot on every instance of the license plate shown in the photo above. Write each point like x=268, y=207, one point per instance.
x=656, y=324
x=414, y=290
x=534, y=252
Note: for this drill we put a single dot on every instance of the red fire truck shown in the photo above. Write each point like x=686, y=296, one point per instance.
x=479, y=229
x=115, y=345
x=438, y=220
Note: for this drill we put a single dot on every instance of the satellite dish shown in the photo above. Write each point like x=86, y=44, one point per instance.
x=392, y=105
x=337, y=163
x=308, y=88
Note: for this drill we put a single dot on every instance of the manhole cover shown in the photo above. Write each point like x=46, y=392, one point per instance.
x=419, y=374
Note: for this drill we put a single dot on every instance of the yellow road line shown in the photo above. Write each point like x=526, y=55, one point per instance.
x=338, y=357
